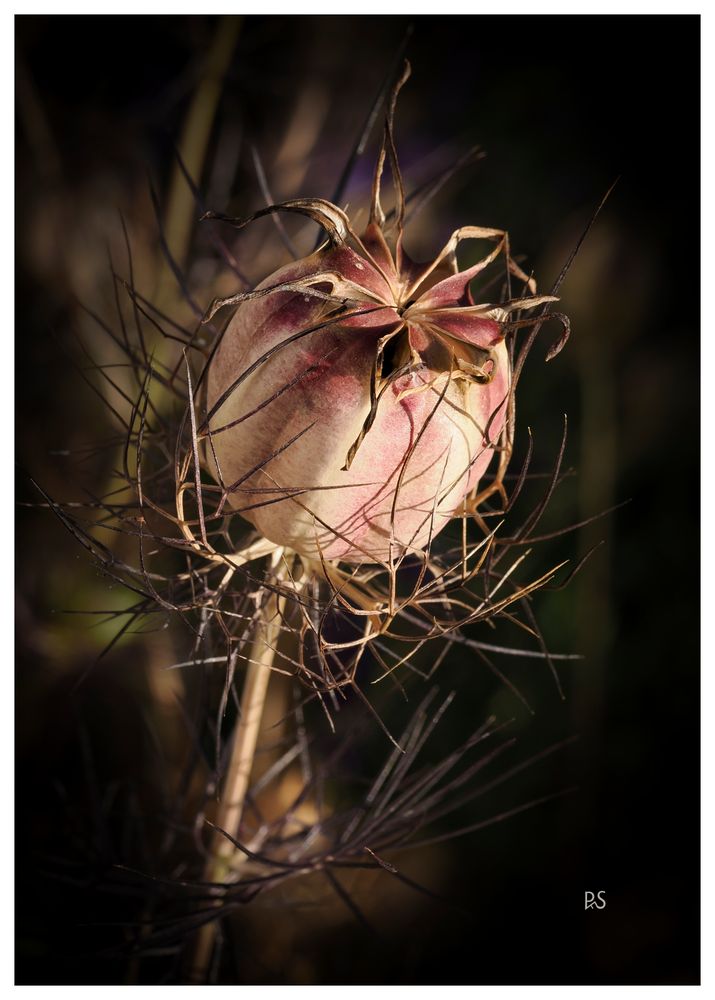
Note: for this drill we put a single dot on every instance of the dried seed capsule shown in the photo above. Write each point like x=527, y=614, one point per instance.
x=353, y=406
x=357, y=397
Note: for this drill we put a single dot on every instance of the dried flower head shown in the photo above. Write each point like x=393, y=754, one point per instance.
x=357, y=397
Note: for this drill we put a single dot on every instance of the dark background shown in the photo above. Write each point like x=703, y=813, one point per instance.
x=562, y=106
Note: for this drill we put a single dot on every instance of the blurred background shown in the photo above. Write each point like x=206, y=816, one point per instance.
x=562, y=107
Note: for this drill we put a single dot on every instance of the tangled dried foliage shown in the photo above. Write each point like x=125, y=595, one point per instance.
x=340, y=632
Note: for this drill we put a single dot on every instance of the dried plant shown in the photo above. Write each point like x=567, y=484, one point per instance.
x=237, y=517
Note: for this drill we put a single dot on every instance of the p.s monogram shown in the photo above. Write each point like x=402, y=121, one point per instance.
x=595, y=899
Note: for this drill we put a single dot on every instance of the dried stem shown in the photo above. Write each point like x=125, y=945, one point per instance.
x=196, y=132
x=228, y=818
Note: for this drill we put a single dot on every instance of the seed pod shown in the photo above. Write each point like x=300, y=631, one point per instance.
x=357, y=397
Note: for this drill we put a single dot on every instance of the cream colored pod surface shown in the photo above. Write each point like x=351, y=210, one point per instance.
x=348, y=416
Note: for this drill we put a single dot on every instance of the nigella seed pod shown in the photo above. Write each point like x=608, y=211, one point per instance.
x=357, y=397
